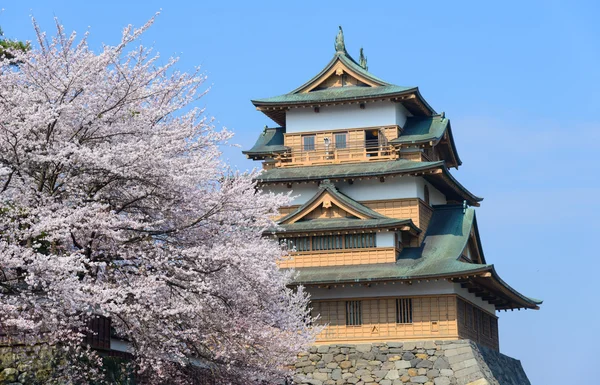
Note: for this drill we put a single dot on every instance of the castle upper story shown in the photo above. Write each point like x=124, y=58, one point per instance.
x=345, y=114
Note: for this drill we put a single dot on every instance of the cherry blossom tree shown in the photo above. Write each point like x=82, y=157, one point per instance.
x=114, y=203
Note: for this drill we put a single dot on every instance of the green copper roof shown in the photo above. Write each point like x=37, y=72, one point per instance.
x=422, y=129
x=336, y=94
x=327, y=186
x=425, y=129
x=314, y=225
x=443, y=181
x=446, y=238
x=347, y=170
x=270, y=141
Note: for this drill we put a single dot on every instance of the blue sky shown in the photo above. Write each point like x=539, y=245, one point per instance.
x=520, y=82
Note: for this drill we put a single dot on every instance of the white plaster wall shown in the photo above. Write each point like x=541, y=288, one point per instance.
x=300, y=192
x=381, y=290
x=401, y=114
x=373, y=189
x=386, y=239
x=474, y=299
x=368, y=189
x=436, y=197
x=383, y=113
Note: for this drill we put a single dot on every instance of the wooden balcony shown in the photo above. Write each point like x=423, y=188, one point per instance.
x=341, y=257
x=350, y=152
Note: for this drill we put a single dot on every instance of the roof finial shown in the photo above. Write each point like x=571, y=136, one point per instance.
x=363, y=60
x=339, y=41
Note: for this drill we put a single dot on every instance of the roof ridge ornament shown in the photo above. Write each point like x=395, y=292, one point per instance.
x=363, y=60
x=340, y=46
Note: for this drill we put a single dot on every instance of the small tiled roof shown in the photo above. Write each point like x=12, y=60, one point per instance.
x=346, y=170
x=270, y=141
x=336, y=94
x=419, y=129
x=340, y=224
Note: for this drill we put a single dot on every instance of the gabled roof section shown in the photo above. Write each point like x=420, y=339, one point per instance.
x=418, y=130
x=269, y=142
x=328, y=195
x=341, y=62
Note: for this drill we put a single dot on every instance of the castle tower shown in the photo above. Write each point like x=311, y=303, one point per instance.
x=384, y=238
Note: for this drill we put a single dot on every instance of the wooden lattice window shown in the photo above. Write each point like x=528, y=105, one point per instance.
x=360, y=241
x=404, y=311
x=328, y=242
x=300, y=243
x=353, y=313
x=340, y=140
x=308, y=142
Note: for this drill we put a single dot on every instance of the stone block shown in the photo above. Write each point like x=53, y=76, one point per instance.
x=425, y=364
x=466, y=371
x=392, y=375
x=320, y=376
x=441, y=363
x=409, y=345
x=336, y=374
x=481, y=381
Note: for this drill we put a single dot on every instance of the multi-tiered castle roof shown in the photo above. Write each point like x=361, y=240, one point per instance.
x=377, y=203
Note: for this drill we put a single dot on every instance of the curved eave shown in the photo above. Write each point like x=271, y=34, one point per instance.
x=264, y=154
x=479, y=270
x=515, y=299
x=410, y=98
x=428, y=166
x=475, y=229
x=453, y=146
x=443, y=179
x=285, y=229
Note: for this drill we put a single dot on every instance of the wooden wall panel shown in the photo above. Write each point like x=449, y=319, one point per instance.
x=341, y=257
x=476, y=324
x=434, y=317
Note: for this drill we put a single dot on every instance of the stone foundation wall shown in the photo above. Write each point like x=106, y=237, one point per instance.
x=459, y=362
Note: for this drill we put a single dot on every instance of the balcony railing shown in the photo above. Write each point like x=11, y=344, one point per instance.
x=347, y=152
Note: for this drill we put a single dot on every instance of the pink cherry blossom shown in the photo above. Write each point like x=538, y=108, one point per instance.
x=114, y=202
